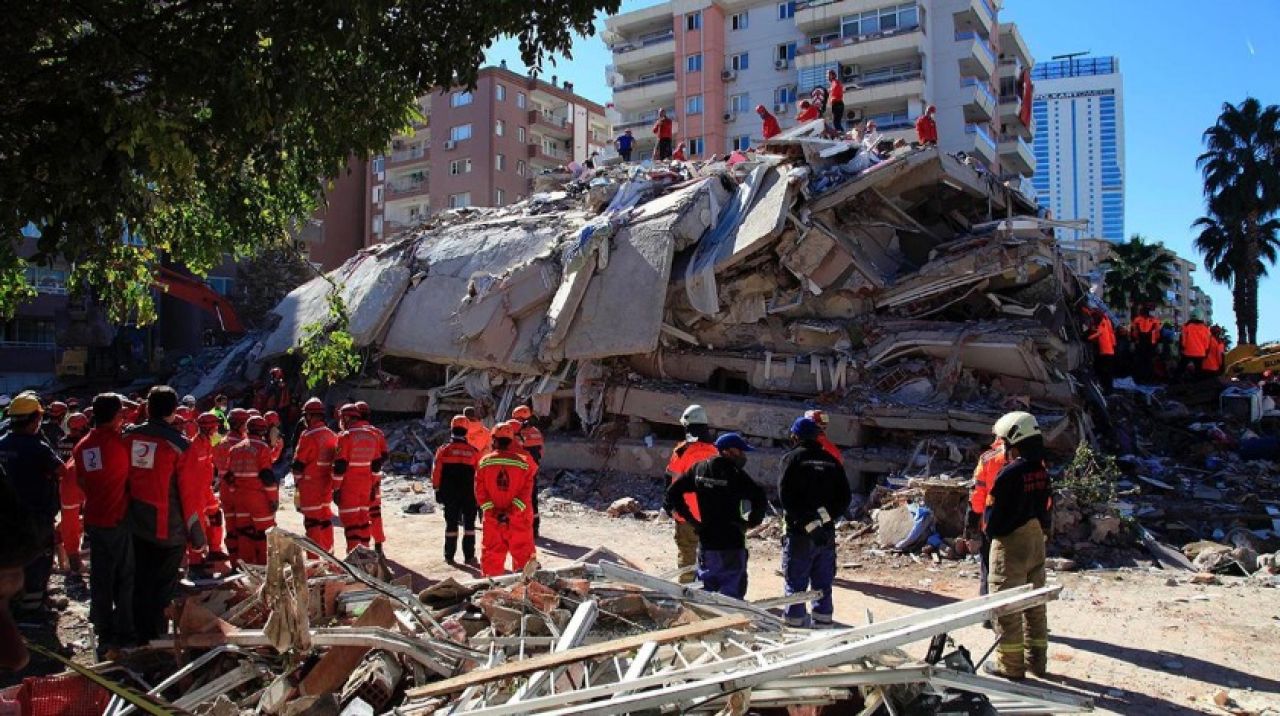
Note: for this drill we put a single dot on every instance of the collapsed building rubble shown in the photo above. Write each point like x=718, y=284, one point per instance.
x=914, y=298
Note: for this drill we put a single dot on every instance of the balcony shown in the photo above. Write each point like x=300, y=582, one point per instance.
x=403, y=188
x=979, y=101
x=1016, y=155
x=1011, y=117
x=977, y=58
x=541, y=152
x=878, y=90
x=647, y=51
x=983, y=145
x=877, y=48
x=977, y=16
x=656, y=91
x=412, y=155
x=1012, y=46
x=551, y=123
x=636, y=22
x=819, y=14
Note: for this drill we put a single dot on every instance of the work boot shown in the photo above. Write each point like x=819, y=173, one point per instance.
x=994, y=669
x=469, y=550
x=450, y=548
x=1038, y=663
x=377, y=547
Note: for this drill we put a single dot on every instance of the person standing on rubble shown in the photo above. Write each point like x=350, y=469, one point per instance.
x=927, y=127
x=814, y=493
x=1144, y=331
x=989, y=465
x=1195, y=346
x=233, y=517
x=624, y=143
x=662, y=130
x=103, y=474
x=34, y=471
x=1017, y=520
x=808, y=112
x=1212, y=365
x=504, y=483
x=201, y=455
x=313, y=474
x=257, y=491
x=376, y=531
x=531, y=438
x=477, y=433
x=696, y=447
x=1103, y=337
x=835, y=95
x=71, y=495
x=163, y=523
x=453, y=477
x=358, y=456
x=820, y=418
x=730, y=503
x=768, y=123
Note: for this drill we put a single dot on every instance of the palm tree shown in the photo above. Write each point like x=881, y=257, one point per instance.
x=1137, y=273
x=1223, y=242
x=1241, y=168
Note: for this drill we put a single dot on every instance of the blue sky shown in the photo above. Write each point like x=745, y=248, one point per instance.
x=1180, y=60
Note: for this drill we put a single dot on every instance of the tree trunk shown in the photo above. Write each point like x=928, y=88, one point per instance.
x=1251, y=278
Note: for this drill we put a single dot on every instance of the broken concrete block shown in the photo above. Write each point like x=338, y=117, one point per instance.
x=624, y=506
x=893, y=525
x=1061, y=564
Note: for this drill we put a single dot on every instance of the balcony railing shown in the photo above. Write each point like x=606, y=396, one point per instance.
x=982, y=42
x=855, y=39
x=982, y=87
x=547, y=118
x=632, y=45
x=655, y=80
x=981, y=132
x=408, y=155
x=405, y=188
x=864, y=83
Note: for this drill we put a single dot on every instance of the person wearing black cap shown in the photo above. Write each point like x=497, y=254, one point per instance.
x=814, y=492
x=729, y=503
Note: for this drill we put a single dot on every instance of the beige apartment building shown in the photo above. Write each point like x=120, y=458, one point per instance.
x=479, y=148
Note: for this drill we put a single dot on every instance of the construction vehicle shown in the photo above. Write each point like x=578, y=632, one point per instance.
x=1252, y=360
x=194, y=291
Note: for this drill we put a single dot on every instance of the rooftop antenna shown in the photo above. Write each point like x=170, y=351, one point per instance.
x=1070, y=57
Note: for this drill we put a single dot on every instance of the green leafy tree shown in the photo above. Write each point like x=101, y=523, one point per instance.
x=328, y=350
x=1241, y=169
x=208, y=128
x=1137, y=273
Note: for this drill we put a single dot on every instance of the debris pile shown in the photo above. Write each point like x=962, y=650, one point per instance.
x=322, y=636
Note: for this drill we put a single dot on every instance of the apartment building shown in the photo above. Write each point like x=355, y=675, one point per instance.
x=479, y=147
x=1183, y=297
x=1079, y=143
x=710, y=62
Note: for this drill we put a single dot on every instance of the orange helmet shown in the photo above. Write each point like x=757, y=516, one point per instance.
x=818, y=417
x=459, y=421
x=237, y=418
x=273, y=418
x=515, y=426
x=313, y=405
x=365, y=410
x=257, y=425
x=503, y=431
x=77, y=421
x=57, y=409
x=522, y=412
x=208, y=421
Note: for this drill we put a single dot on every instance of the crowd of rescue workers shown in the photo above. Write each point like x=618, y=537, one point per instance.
x=161, y=490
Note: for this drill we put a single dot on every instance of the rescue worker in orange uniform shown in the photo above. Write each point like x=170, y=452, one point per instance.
x=1145, y=332
x=313, y=474
x=823, y=421
x=477, y=433
x=358, y=456
x=453, y=477
x=1195, y=346
x=71, y=524
x=696, y=447
x=504, y=483
x=257, y=493
x=984, y=475
x=1103, y=336
x=375, y=500
x=160, y=462
x=233, y=516
x=531, y=437
x=186, y=422
x=1212, y=365
x=202, y=455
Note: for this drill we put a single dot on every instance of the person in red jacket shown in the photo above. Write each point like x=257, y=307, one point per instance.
x=257, y=494
x=984, y=475
x=453, y=477
x=202, y=446
x=274, y=436
x=531, y=438
x=71, y=524
x=103, y=475
x=820, y=418
x=504, y=482
x=808, y=112
x=1195, y=346
x=835, y=98
x=313, y=474
x=662, y=130
x=163, y=523
x=1103, y=337
x=768, y=122
x=679, y=154
x=358, y=455
x=696, y=447
x=1212, y=364
x=376, y=531
x=233, y=517
x=477, y=433
x=1145, y=333
x=927, y=127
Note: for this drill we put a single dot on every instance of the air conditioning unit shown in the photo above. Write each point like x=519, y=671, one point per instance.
x=729, y=116
x=781, y=107
x=449, y=144
x=729, y=75
x=781, y=64
x=853, y=115
x=848, y=72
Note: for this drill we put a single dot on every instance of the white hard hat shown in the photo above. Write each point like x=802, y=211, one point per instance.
x=1015, y=427
x=5, y=400
x=694, y=415
x=188, y=400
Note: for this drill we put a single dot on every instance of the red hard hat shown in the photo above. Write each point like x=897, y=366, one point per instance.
x=273, y=418
x=277, y=373
x=77, y=421
x=73, y=403
x=818, y=417
x=350, y=410
x=522, y=412
x=257, y=425
x=254, y=412
x=503, y=431
x=237, y=417
x=183, y=412
x=208, y=420
x=313, y=405
x=363, y=407
x=57, y=409
x=514, y=425
x=760, y=108
x=459, y=421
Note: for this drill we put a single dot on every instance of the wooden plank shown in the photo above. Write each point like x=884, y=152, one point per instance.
x=591, y=651
x=331, y=672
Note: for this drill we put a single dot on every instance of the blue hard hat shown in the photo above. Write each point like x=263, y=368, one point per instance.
x=732, y=440
x=805, y=429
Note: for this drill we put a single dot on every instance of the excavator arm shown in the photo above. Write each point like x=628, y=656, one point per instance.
x=196, y=292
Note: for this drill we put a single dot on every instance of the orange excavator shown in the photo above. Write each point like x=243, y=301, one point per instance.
x=196, y=292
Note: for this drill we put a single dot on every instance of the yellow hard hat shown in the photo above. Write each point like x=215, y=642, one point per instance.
x=25, y=404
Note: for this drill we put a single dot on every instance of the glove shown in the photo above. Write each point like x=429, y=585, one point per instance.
x=337, y=497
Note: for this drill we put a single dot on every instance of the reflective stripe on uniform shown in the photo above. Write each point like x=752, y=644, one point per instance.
x=509, y=462
x=517, y=502
x=486, y=506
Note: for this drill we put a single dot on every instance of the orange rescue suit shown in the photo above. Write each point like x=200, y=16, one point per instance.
x=504, y=491
x=685, y=455
x=257, y=496
x=313, y=473
x=1195, y=339
x=358, y=454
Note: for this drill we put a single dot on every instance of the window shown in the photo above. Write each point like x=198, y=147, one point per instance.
x=883, y=20
x=738, y=61
x=378, y=164
x=500, y=93
x=457, y=201
x=499, y=127
x=520, y=167
x=27, y=332
x=520, y=134
x=696, y=146
x=460, y=166
x=693, y=63
x=739, y=104
x=500, y=162
x=693, y=104
x=377, y=194
x=377, y=226
x=784, y=95
x=786, y=10
x=221, y=284
x=499, y=197
x=740, y=144
x=460, y=99
x=738, y=21
x=460, y=132
x=45, y=280
x=693, y=21
x=786, y=51
x=521, y=100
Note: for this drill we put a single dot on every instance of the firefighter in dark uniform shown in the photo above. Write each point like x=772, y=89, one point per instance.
x=453, y=475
